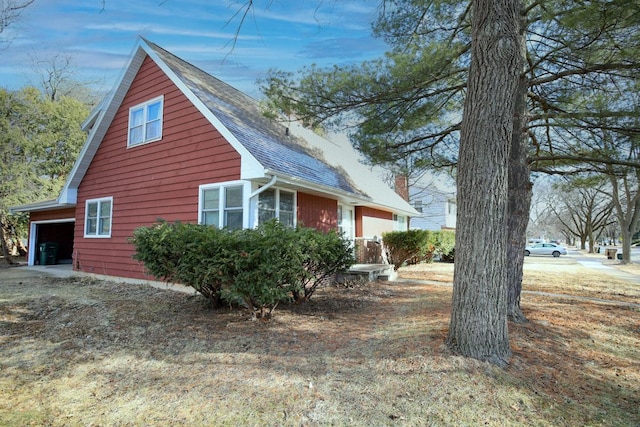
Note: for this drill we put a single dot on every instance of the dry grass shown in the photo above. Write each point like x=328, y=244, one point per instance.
x=564, y=276
x=80, y=352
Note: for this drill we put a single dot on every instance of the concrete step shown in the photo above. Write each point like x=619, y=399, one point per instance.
x=372, y=272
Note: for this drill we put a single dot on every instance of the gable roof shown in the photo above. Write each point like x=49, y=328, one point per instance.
x=267, y=148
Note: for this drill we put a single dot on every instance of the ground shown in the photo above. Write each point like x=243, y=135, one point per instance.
x=80, y=351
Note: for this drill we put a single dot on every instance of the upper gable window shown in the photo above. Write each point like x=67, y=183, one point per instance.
x=145, y=122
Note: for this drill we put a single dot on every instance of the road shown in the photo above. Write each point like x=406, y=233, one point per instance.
x=598, y=262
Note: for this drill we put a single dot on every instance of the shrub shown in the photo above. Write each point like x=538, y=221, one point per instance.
x=256, y=268
x=326, y=255
x=450, y=256
x=190, y=254
x=268, y=268
x=444, y=243
x=415, y=246
x=401, y=246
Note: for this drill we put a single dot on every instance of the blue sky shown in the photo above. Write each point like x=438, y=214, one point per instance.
x=283, y=34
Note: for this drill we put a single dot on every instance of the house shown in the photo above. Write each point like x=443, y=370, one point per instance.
x=434, y=197
x=172, y=142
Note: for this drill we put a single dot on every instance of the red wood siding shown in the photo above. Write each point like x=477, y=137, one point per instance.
x=149, y=181
x=317, y=212
x=52, y=215
x=364, y=211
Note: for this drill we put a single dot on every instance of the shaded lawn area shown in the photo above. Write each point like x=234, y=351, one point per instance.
x=87, y=352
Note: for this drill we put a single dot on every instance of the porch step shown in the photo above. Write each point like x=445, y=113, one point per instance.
x=371, y=272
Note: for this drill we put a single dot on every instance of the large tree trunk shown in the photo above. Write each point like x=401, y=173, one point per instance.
x=4, y=249
x=520, y=189
x=628, y=220
x=478, y=326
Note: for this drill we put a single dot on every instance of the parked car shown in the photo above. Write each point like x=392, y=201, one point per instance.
x=545, y=249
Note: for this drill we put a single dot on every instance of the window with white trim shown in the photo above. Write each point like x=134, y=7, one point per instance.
x=222, y=206
x=276, y=203
x=97, y=217
x=399, y=222
x=145, y=122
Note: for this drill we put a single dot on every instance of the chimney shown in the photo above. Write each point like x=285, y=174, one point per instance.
x=402, y=186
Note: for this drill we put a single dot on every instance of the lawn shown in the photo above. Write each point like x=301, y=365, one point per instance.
x=84, y=352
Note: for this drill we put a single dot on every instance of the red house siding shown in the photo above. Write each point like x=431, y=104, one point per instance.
x=52, y=215
x=149, y=181
x=317, y=212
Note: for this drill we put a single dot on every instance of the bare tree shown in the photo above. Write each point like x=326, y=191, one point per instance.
x=625, y=197
x=56, y=77
x=11, y=12
x=582, y=208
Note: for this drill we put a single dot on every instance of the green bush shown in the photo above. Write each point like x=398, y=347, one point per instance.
x=402, y=246
x=193, y=255
x=267, y=270
x=444, y=243
x=256, y=268
x=414, y=246
x=325, y=257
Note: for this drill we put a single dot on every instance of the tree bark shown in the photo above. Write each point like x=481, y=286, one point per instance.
x=627, y=219
x=520, y=190
x=4, y=249
x=478, y=326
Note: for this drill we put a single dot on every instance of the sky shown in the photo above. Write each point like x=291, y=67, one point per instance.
x=99, y=35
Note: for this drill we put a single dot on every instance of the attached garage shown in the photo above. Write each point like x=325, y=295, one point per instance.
x=53, y=241
x=51, y=229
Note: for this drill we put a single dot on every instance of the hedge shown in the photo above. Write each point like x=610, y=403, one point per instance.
x=255, y=268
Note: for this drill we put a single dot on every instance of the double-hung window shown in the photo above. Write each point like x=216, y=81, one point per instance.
x=97, y=217
x=145, y=122
x=276, y=203
x=222, y=206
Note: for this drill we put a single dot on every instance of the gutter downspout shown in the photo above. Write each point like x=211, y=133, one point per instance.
x=257, y=192
x=264, y=187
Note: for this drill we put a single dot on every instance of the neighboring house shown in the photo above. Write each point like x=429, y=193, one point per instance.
x=435, y=200
x=175, y=143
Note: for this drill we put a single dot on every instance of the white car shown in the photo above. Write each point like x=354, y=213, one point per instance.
x=545, y=249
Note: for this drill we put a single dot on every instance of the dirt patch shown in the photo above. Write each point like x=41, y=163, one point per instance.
x=86, y=352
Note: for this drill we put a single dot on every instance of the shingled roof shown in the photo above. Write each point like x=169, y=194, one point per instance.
x=267, y=147
x=267, y=140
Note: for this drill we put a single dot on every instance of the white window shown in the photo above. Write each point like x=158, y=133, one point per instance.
x=97, y=217
x=276, y=203
x=145, y=122
x=399, y=222
x=222, y=206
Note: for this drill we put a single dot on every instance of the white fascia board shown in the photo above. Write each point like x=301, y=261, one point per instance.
x=47, y=205
x=352, y=199
x=250, y=167
x=318, y=188
x=68, y=196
